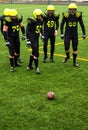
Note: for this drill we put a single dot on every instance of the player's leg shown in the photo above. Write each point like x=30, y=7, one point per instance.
x=16, y=51
x=67, y=47
x=19, y=59
x=31, y=58
x=75, y=49
x=11, y=56
x=35, y=56
x=45, y=47
x=52, y=42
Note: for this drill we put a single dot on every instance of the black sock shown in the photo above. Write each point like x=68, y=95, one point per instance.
x=67, y=54
x=36, y=62
x=16, y=58
x=11, y=62
x=30, y=60
x=74, y=58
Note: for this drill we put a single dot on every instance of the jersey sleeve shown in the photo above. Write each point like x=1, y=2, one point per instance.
x=57, y=21
x=6, y=21
x=62, y=23
x=79, y=15
x=30, y=23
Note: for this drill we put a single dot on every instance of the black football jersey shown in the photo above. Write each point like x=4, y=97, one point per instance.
x=72, y=22
x=13, y=26
x=33, y=28
x=51, y=23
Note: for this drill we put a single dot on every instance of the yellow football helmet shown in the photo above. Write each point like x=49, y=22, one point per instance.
x=72, y=6
x=50, y=7
x=6, y=12
x=13, y=12
x=37, y=12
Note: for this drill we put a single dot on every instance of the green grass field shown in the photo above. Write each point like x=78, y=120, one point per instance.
x=23, y=101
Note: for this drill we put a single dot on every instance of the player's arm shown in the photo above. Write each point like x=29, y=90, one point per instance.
x=62, y=25
x=5, y=32
x=82, y=26
x=57, y=24
x=22, y=28
x=23, y=31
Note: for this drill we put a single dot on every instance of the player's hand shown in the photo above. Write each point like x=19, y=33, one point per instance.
x=29, y=44
x=23, y=37
x=84, y=36
x=8, y=44
x=42, y=38
x=55, y=33
x=62, y=36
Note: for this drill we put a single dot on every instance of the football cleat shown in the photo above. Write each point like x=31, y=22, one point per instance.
x=37, y=71
x=51, y=60
x=65, y=60
x=75, y=65
x=45, y=59
x=20, y=60
x=11, y=69
x=17, y=65
x=29, y=68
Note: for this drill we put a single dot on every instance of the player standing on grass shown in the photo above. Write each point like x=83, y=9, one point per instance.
x=71, y=18
x=33, y=30
x=51, y=25
x=12, y=25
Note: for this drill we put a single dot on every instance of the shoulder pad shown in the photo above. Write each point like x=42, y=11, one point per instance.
x=65, y=14
x=45, y=14
x=78, y=14
x=8, y=19
x=30, y=20
x=20, y=17
x=57, y=15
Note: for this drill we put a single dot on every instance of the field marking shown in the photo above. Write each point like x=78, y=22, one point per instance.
x=61, y=55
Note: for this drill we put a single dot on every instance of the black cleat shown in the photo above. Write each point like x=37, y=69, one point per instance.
x=65, y=60
x=20, y=60
x=75, y=65
x=30, y=67
x=18, y=65
x=45, y=60
x=51, y=60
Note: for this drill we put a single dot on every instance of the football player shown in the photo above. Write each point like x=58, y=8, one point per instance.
x=12, y=25
x=51, y=25
x=33, y=30
x=71, y=18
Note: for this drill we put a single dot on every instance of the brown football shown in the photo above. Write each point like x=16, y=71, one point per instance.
x=50, y=95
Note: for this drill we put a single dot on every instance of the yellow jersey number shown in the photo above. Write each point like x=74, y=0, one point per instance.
x=38, y=28
x=15, y=28
x=50, y=24
x=72, y=24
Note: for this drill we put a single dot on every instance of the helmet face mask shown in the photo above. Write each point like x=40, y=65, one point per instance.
x=72, y=11
x=50, y=12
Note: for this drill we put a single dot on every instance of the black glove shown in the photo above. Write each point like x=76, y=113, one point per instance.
x=8, y=44
x=62, y=36
x=29, y=44
x=23, y=37
x=84, y=36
